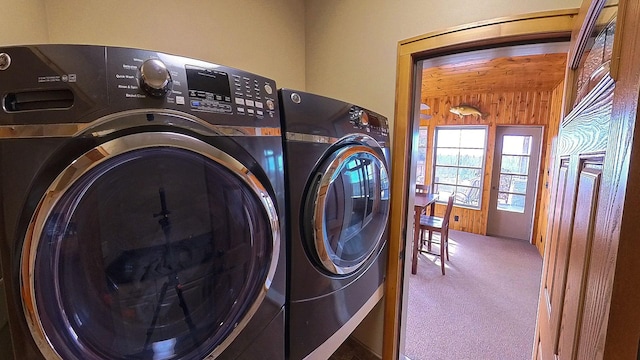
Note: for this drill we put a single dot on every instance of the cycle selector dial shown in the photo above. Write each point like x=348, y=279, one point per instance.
x=359, y=117
x=155, y=79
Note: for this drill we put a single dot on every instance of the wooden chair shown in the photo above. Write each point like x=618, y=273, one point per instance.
x=432, y=224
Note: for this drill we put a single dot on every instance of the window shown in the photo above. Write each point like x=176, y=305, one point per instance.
x=422, y=154
x=459, y=163
x=514, y=173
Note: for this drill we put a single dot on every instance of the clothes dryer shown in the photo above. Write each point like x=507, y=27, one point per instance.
x=337, y=173
x=142, y=206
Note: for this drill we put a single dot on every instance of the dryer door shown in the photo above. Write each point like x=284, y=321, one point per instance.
x=150, y=246
x=347, y=207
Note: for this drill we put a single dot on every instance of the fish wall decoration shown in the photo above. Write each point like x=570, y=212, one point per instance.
x=466, y=110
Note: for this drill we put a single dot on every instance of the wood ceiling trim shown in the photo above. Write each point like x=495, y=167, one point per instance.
x=505, y=74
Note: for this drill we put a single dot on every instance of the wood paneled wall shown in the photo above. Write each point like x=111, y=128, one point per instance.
x=544, y=190
x=540, y=108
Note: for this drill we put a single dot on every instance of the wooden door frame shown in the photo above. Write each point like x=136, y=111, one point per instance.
x=537, y=27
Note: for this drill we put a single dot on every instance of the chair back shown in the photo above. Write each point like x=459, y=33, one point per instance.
x=447, y=212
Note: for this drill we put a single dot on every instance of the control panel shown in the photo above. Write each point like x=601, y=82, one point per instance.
x=147, y=78
x=83, y=82
x=368, y=121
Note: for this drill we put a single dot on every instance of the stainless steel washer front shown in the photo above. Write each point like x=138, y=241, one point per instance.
x=149, y=245
x=141, y=206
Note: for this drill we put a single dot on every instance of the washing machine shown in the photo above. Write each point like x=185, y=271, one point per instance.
x=142, y=208
x=337, y=172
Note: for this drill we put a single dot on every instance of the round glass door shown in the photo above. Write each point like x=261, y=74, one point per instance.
x=151, y=246
x=348, y=207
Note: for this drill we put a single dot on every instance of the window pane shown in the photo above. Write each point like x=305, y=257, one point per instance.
x=422, y=156
x=471, y=157
x=448, y=138
x=447, y=156
x=444, y=191
x=468, y=196
x=513, y=184
x=446, y=175
x=472, y=138
x=423, y=134
x=516, y=145
x=420, y=168
x=511, y=202
x=469, y=177
x=459, y=163
x=515, y=164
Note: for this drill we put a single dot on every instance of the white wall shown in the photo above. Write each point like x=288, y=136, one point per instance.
x=351, y=45
x=263, y=37
x=23, y=22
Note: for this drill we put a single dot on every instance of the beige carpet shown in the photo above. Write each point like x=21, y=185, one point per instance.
x=483, y=308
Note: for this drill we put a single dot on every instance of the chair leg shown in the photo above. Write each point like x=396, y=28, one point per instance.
x=446, y=241
x=429, y=241
x=414, y=255
x=442, y=247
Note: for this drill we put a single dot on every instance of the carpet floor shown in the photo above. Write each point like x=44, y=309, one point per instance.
x=483, y=308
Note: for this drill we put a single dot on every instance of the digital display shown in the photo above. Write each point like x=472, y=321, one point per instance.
x=374, y=121
x=208, y=84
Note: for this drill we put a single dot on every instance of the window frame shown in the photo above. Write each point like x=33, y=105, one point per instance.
x=481, y=168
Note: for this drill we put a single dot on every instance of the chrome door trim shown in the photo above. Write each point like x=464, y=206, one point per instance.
x=321, y=139
x=88, y=161
x=335, y=161
x=318, y=139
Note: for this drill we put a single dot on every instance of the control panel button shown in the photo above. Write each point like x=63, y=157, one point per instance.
x=270, y=105
x=5, y=61
x=155, y=79
x=363, y=118
x=268, y=89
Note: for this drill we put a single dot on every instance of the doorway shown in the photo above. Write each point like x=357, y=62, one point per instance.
x=516, y=165
x=558, y=26
x=460, y=160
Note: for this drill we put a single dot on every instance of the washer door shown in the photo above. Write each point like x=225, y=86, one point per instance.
x=150, y=246
x=348, y=207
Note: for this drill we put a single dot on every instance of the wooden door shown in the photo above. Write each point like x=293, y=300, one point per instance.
x=553, y=285
x=589, y=294
x=516, y=167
